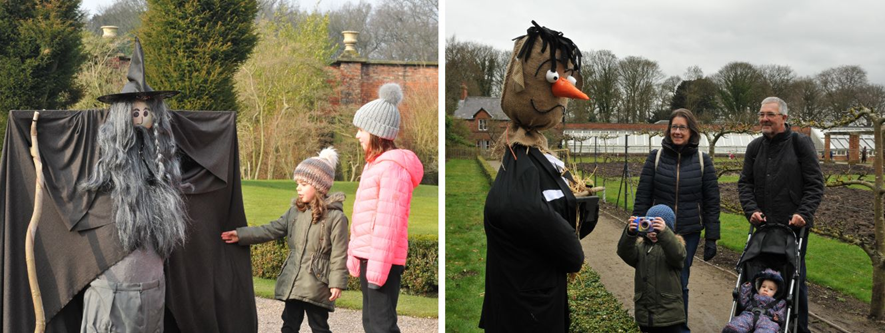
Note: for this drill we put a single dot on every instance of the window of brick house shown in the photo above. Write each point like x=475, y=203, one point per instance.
x=483, y=144
x=483, y=125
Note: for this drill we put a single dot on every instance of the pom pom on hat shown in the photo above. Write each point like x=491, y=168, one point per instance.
x=381, y=116
x=664, y=212
x=319, y=171
x=391, y=93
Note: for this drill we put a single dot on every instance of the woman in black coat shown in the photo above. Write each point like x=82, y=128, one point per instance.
x=680, y=176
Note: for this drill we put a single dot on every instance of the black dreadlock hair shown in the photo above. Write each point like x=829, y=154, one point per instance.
x=568, y=50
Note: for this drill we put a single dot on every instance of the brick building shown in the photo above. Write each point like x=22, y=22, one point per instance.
x=483, y=116
x=357, y=79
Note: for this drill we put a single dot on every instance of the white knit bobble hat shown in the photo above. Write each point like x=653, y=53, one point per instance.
x=381, y=117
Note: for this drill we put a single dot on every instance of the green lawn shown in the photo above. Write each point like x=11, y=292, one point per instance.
x=831, y=263
x=408, y=305
x=466, y=190
x=266, y=200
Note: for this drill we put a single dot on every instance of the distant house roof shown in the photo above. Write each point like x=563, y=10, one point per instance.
x=468, y=107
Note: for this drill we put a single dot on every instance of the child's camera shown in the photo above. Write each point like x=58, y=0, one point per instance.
x=644, y=225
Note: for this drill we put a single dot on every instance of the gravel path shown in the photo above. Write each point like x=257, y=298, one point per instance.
x=342, y=320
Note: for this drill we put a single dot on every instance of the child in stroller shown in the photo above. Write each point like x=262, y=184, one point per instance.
x=763, y=312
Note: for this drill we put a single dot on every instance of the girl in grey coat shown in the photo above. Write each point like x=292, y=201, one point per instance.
x=315, y=271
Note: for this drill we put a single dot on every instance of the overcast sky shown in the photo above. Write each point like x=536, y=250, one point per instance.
x=809, y=36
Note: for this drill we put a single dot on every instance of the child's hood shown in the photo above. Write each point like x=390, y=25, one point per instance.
x=406, y=159
x=335, y=201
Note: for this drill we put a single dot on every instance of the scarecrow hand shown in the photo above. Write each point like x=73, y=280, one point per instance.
x=230, y=237
x=709, y=249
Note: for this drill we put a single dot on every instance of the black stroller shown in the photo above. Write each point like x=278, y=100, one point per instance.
x=772, y=246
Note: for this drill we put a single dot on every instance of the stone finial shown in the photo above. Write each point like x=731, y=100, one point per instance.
x=350, y=39
x=109, y=31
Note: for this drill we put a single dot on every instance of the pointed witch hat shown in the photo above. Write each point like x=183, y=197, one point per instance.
x=137, y=87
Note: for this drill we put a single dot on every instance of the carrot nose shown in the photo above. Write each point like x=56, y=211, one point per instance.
x=563, y=88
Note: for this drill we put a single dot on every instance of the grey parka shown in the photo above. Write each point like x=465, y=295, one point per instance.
x=312, y=267
x=658, y=282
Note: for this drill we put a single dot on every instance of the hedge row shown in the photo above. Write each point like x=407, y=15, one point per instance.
x=486, y=169
x=419, y=278
x=593, y=308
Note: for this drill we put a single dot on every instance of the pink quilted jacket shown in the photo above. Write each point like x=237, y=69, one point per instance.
x=379, y=231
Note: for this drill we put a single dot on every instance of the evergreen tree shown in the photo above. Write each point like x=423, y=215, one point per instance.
x=196, y=47
x=40, y=53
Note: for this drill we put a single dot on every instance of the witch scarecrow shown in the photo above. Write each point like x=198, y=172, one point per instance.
x=115, y=249
x=530, y=211
x=138, y=166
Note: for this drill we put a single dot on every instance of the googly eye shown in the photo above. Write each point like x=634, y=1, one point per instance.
x=135, y=114
x=145, y=113
x=552, y=76
x=573, y=80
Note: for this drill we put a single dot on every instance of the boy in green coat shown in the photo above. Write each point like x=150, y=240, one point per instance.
x=658, y=255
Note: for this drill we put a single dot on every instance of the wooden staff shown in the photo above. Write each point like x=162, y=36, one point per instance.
x=32, y=230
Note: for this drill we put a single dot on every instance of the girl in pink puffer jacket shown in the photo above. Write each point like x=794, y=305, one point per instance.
x=379, y=231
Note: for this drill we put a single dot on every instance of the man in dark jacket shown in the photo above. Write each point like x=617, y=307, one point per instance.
x=530, y=211
x=781, y=182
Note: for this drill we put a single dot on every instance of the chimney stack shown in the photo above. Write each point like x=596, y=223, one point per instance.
x=463, y=91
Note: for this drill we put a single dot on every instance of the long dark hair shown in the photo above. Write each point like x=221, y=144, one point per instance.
x=377, y=146
x=692, y=125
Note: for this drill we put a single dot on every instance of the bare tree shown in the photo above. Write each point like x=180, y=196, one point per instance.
x=693, y=73
x=353, y=17
x=841, y=87
x=284, y=91
x=778, y=79
x=638, y=79
x=601, y=83
x=480, y=67
x=805, y=105
x=665, y=92
x=125, y=14
x=420, y=128
x=406, y=30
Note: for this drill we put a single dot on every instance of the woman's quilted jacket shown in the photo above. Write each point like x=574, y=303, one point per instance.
x=379, y=231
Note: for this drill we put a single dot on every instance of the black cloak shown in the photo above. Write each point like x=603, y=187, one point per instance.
x=531, y=246
x=208, y=284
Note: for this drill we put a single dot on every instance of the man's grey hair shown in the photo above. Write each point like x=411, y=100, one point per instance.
x=781, y=105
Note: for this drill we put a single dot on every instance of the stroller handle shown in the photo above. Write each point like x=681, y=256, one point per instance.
x=767, y=225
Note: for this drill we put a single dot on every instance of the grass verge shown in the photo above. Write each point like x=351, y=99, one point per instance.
x=266, y=200
x=466, y=189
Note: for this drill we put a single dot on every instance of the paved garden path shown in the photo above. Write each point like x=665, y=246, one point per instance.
x=342, y=320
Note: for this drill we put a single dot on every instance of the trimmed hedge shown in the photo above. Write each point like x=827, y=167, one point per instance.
x=420, y=277
x=486, y=169
x=593, y=308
